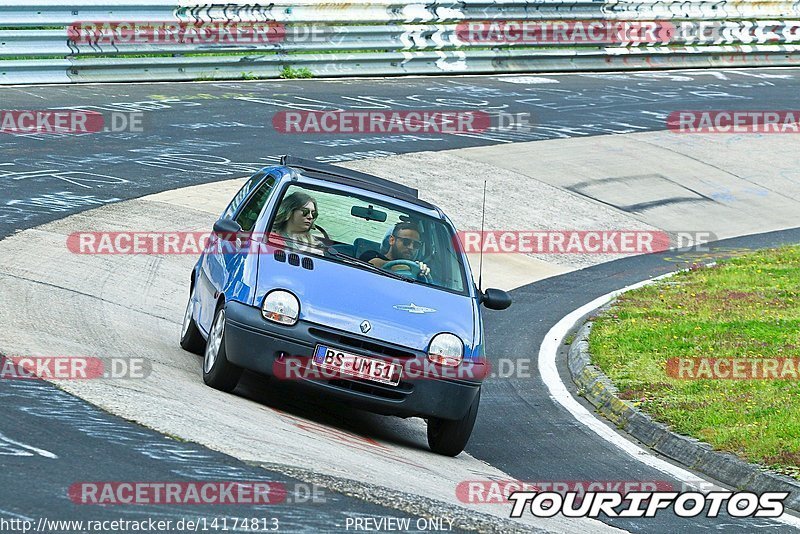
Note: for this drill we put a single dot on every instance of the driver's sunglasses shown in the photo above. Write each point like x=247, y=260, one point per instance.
x=409, y=243
x=306, y=211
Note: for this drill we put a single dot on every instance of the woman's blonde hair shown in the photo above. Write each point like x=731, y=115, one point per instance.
x=295, y=201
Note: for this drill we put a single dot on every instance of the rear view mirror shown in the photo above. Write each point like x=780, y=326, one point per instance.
x=496, y=299
x=369, y=213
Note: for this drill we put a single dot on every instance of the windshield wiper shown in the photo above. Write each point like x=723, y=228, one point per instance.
x=355, y=261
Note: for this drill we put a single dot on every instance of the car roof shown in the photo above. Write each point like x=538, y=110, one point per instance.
x=340, y=175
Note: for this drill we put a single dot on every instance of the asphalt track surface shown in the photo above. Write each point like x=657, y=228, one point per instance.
x=196, y=133
x=93, y=446
x=204, y=132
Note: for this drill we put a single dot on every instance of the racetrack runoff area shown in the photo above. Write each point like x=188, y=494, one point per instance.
x=129, y=305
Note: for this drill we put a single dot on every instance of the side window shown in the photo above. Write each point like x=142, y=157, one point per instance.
x=443, y=259
x=249, y=213
x=243, y=193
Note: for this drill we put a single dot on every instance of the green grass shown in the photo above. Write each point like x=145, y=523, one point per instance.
x=290, y=73
x=745, y=307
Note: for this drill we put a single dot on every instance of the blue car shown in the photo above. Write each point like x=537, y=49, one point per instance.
x=347, y=284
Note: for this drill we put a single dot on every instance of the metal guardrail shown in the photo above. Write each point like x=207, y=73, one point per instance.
x=21, y=13
x=38, y=43
x=47, y=41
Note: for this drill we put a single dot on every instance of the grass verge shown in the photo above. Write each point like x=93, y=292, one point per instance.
x=747, y=309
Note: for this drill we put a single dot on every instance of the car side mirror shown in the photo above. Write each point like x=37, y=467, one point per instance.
x=227, y=229
x=495, y=299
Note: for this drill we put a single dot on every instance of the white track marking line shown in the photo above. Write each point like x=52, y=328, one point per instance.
x=40, y=452
x=12, y=514
x=559, y=393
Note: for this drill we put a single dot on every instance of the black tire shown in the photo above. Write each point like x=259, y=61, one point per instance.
x=449, y=437
x=191, y=338
x=218, y=372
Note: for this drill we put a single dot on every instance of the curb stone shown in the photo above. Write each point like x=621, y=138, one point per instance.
x=598, y=389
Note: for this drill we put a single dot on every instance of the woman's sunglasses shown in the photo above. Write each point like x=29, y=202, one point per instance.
x=408, y=242
x=306, y=211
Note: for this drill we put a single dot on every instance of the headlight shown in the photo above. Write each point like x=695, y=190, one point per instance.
x=446, y=349
x=281, y=307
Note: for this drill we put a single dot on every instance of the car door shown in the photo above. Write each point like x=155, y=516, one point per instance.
x=222, y=266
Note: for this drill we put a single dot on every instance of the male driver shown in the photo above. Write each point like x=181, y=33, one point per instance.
x=404, y=244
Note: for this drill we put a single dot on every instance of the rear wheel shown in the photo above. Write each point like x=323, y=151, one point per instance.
x=218, y=372
x=191, y=338
x=449, y=437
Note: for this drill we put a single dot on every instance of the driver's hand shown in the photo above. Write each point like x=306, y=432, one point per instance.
x=424, y=270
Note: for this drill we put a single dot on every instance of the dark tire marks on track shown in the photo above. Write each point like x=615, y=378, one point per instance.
x=203, y=132
x=93, y=446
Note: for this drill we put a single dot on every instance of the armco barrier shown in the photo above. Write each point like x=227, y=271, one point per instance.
x=47, y=41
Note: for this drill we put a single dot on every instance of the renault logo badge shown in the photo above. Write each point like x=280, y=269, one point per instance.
x=365, y=326
x=413, y=308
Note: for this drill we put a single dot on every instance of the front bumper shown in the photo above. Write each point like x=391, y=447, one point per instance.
x=253, y=343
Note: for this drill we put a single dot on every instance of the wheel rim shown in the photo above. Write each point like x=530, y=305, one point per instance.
x=214, y=342
x=187, y=317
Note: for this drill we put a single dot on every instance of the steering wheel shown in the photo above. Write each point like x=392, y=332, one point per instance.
x=325, y=237
x=414, y=269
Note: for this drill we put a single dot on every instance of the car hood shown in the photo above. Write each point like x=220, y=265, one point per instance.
x=343, y=297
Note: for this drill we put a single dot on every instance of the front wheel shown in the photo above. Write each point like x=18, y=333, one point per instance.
x=218, y=372
x=449, y=437
x=191, y=338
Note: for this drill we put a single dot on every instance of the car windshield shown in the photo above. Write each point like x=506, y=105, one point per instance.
x=367, y=234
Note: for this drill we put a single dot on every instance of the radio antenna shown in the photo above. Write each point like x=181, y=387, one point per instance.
x=483, y=220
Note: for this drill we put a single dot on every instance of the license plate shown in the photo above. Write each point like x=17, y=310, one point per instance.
x=356, y=365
